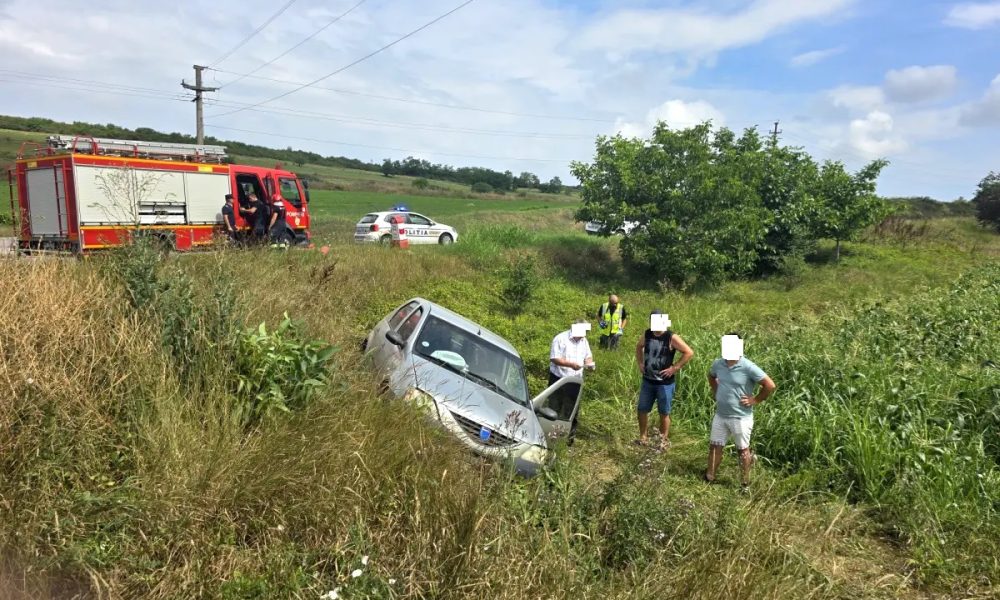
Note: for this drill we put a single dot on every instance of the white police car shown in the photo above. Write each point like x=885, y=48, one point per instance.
x=376, y=227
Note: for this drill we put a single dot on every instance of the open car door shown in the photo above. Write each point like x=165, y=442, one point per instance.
x=557, y=405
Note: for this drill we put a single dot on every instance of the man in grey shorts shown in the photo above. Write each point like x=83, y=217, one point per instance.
x=733, y=379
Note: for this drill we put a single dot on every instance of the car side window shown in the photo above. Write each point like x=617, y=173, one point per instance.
x=410, y=324
x=397, y=318
x=418, y=220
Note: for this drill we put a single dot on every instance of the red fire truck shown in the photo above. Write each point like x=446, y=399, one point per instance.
x=82, y=193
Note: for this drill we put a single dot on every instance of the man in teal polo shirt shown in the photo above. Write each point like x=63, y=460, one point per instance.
x=733, y=379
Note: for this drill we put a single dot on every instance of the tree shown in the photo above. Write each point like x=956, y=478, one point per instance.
x=693, y=196
x=847, y=203
x=528, y=180
x=987, y=201
x=554, y=186
x=387, y=168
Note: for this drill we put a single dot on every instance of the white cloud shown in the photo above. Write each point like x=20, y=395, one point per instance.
x=873, y=136
x=856, y=97
x=986, y=111
x=916, y=83
x=807, y=59
x=677, y=114
x=698, y=31
x=974, y=15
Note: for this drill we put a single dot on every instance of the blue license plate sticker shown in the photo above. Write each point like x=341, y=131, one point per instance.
x=484, y=434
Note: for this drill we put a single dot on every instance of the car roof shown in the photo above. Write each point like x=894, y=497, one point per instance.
x=470, y=326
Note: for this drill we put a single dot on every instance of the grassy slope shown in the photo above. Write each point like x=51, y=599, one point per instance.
x=289, y=511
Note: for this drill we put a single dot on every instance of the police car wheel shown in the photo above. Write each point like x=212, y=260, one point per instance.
x=445, y=239
x=385, y=240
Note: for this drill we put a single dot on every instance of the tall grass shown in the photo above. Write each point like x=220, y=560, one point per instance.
x=125, y=478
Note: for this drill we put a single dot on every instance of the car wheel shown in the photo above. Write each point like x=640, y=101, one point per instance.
x=364, y=345
x=446, y=239
x=385, y=240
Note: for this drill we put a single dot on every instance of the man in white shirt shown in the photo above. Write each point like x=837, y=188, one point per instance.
x=569, y=355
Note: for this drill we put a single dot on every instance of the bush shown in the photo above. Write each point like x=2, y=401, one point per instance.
x=520, y=280
x=481, y=187
x=277, y=370
x=987, y=202
x=421, y=183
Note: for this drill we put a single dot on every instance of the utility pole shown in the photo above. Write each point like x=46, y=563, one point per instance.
x=197, y=88
x=774, y=134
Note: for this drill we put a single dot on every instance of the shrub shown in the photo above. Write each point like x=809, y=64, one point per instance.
x=520, y=280
x=481, y=187
x=277, y=370
x=421, y=183
x=987, y=202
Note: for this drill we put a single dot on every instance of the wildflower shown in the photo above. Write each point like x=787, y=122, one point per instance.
x=331, y=595
x=280, y=527
x=392, y=582
x=29, y=381
x=356, y=573
x=364, y=560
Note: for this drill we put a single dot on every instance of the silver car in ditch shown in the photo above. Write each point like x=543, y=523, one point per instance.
x=472, y=382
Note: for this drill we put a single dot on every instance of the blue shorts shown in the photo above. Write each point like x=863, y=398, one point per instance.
x=662, y=394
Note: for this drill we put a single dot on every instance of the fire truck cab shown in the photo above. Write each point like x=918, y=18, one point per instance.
x=79, y=194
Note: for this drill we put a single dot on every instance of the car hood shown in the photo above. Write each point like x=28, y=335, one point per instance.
x=472, y=401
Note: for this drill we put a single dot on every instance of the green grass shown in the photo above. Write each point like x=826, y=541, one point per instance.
x=128, y=479
x=353, y=205
x=127, y=476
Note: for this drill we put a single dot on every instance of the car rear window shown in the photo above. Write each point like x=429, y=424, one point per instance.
x=369, y=218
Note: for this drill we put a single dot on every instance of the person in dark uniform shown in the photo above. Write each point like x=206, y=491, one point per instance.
x=276, y=225
x=229, y=218
x=257, y=214
x=654, y=355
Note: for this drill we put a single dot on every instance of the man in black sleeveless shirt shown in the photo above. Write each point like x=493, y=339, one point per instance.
x=654, y=355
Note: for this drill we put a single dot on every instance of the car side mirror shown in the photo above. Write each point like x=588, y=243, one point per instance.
x=547, y=413
x=395, y=339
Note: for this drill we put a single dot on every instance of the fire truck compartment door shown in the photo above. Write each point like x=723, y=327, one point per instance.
x=47, y=201
x=206, y=193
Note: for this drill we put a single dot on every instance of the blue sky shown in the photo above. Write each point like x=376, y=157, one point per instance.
x=917, y=82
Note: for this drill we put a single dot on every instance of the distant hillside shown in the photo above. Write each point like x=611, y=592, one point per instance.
x=924, y=207
x=495, y=180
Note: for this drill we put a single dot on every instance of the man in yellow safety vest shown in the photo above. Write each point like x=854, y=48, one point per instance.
x=611, y=318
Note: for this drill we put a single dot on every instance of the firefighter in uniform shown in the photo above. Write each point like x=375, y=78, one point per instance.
x=611, y=318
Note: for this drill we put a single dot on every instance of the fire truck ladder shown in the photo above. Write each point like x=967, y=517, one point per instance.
x=135, y=148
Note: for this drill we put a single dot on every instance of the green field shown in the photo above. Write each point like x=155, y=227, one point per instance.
x=130, y=471
x=146, y=452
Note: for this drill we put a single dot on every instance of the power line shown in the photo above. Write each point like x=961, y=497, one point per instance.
x=172, y=95
x=401, y=125
x=88, y=82
x=412, y=101
x=253, y=33
x=241, y=77
x=411, y=152
x=360, y=60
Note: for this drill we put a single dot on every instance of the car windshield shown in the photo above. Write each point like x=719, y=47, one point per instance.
x=474, y=358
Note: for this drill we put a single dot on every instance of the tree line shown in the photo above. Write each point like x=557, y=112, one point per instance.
x=503, y=181
x=482, y=179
